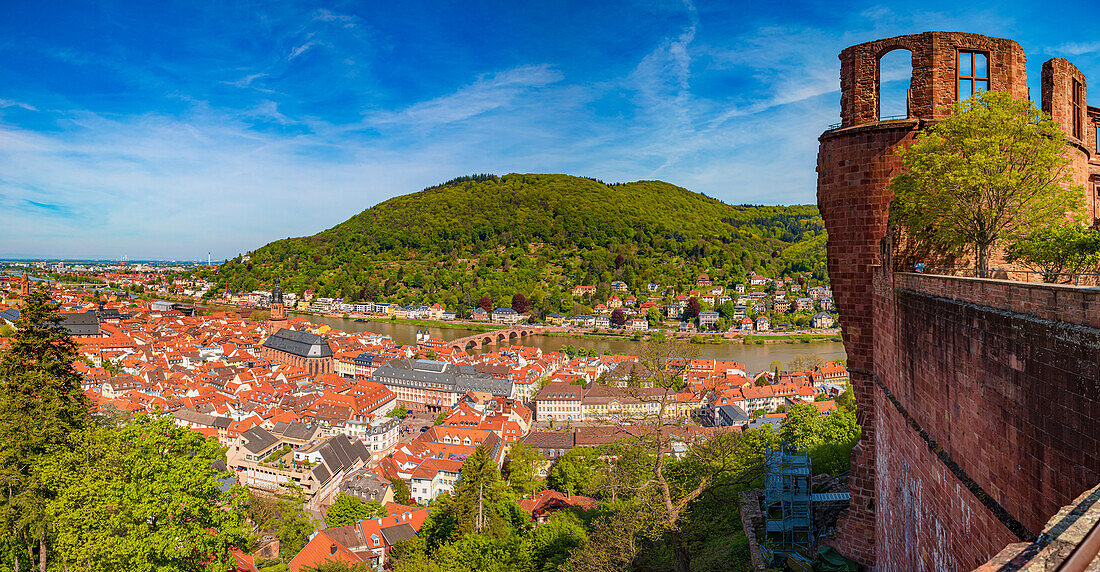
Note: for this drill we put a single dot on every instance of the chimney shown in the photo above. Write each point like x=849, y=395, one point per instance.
x=333, y=549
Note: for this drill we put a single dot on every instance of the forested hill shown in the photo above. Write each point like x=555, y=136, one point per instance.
x=539, y=235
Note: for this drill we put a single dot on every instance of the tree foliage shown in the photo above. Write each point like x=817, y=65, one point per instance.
x=1058, y=251
x=997, y=168
x=523, y=465
x=401, y=493
x=42, y=413
x=827, y=438
x=538, y=235
x=348, y=509
x=146, y=497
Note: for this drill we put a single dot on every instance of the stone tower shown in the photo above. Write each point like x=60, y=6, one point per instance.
x=278, y=310
x=855, y=163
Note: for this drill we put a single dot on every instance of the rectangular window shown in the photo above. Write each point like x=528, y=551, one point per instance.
x=973, y=74
x=1077, y=96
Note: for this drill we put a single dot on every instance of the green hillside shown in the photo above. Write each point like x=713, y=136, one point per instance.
x=538, y=235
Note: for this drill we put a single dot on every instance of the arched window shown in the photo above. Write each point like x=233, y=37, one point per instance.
x=895, y=71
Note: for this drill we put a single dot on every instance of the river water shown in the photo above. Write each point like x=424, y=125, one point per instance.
x=757, y=357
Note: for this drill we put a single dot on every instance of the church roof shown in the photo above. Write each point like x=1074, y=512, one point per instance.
x=303, y=344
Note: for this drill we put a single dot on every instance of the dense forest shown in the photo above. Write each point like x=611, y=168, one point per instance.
x=540, y=235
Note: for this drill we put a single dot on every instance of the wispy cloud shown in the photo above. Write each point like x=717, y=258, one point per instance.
x=301, y=49
x=487, y=93
x=1076, y=48
x=9, y=103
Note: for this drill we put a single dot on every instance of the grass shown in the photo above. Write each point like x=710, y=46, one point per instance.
x=792, y=338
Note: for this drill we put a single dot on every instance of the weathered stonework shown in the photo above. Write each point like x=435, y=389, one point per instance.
x=978, y=398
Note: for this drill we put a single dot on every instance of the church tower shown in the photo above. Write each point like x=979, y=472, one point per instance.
x=278, y=310
x=24, y=286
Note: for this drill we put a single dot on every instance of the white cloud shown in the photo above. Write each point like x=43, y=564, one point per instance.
x=487, y=93
x=1077, y=48
x=301, y=49
x=4, y=103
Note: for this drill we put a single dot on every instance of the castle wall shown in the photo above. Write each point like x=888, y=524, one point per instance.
x=979, y=399
x=854, y=167
x=1007, y=394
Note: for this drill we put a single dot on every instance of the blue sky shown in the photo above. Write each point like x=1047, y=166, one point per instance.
x=167, y=130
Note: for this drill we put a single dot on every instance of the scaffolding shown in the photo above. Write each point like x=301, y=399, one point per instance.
x=788, y=502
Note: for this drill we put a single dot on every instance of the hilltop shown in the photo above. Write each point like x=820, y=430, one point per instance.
x=539, y=235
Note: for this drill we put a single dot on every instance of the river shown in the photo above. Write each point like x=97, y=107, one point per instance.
x=757, y=357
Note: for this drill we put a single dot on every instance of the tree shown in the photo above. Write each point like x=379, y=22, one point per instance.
x=804, y=362
x=618, y=318
x=481, y=503
x=42, y=412
x=399, y=411
x=294, y=526
x=577, y=472
x=828, y=438
x=653, y=316
x=551, y=542
x=523, y=464
x=994, y=169
x=348, y=509
x=401, y=493
x=520, y=303
x=485, y=303
x=1065, y=248
x=692, y=310
x=143, y=497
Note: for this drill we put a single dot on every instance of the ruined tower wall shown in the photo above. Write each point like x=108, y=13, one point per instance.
x=979, y=399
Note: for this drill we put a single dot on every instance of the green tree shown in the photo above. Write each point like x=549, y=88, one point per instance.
x=348, y=509
x=551, y=542
x=293, y=525
x=1058, y=250
x=577, y=472
x=828, y=438
x=399, y=411
x=42, y=412
x=481, y=501
x=401, y=493
x=143, y=497
x=995, y=169
x=523, y=465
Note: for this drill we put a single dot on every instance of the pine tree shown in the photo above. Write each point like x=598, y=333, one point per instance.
x=42, y=409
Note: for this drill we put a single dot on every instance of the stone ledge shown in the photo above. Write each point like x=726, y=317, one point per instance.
x=1063, y=532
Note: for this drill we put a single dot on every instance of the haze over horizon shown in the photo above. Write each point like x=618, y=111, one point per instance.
x=169, y=131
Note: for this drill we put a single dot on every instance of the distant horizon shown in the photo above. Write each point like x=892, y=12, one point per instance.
x=171, y=129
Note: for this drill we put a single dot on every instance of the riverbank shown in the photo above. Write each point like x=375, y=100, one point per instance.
x=442, y=325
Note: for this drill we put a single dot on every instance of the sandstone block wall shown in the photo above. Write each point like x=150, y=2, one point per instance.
x=974, y=425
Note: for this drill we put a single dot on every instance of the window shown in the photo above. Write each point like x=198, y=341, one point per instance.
x=973, y=74
x=1077, y=96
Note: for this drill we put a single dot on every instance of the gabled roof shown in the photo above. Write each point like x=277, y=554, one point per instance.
x=257, y=439
x=303, y=344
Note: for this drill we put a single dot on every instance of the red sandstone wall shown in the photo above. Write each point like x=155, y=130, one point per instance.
x=1009, y=395
x=854, y=167
x=945, y=361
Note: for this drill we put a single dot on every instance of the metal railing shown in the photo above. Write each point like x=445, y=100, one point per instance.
x=1027, y=276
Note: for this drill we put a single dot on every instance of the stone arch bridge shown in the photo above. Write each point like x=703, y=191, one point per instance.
x=494, y=337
